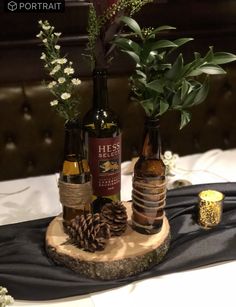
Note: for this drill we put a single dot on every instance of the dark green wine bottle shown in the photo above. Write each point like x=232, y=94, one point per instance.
x=103, y=144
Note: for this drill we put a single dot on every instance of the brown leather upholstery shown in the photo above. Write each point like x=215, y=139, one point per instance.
x=31, y=134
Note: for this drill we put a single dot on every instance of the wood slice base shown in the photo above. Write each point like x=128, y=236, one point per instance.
x=124, y=256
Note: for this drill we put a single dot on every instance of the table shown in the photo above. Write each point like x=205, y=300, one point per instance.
x=37, y=197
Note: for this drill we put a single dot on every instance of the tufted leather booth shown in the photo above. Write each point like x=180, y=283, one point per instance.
x=31, y=134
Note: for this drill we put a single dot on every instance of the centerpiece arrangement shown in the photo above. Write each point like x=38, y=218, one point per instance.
x=101, y=124
x=162, y=81
x=75, y=179
x=94, y=235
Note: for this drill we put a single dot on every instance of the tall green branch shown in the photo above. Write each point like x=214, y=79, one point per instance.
x=104, y=24
x=159, y=83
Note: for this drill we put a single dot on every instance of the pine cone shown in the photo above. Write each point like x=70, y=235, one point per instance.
x=114, y=214
x=88, y=232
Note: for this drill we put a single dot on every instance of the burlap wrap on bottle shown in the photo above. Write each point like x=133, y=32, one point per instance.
x=74, y=195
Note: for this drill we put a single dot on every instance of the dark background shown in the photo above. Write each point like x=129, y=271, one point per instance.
x=31, y=134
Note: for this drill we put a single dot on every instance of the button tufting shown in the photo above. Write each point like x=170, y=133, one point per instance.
x=26, y=112
x=227, y=90
x=227, y=86
x=212, y=119
x=48, y=138
x=30, y=166
x=10, y=144
x=227, y=94
x=196, y=142
x=226, y=139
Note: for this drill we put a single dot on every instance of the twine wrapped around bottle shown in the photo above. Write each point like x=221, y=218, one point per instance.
x=75, y=195
x=149, y=199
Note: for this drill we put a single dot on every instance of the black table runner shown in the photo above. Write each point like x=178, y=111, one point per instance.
x=29, y=274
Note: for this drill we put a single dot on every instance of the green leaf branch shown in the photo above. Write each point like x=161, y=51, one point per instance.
x=63, y=85
x=104, y=24
x=161, y=84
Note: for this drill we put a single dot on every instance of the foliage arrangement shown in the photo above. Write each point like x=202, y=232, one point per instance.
x=160, y=83
x=5, y=299
x=63, y=84
x=104, y=23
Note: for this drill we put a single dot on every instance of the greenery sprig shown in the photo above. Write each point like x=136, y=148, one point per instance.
x=104, y=24
x=63, y=84
x=159, y=83
x=5, y=299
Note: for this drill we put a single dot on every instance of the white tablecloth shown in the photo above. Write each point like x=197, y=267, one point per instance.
x=37, y=197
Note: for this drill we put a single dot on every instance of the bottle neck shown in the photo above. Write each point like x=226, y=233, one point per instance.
x=73, y=147
x=152, y=139
x=100, y=93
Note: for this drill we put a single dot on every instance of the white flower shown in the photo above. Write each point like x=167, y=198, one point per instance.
x=61, y=80
x=61, y=61
x=169, y=159
x=55, y=69
x=43, y=56
x=9, y=300
x=175, y=156
x=5, y=299
x=45, y=41
x=168, y=154
x=68, y=70
x=46, y=28
x=57, y=34
x=40, y=34
x=54, y=61
x=3, y=291
x=65, y=96
x=40, y=22
x=51, y=84
x=46, y=65
x=76, y=81
x=57, y=47
x=166, y=162
x=54, y=103
x=171, y=164
x=70, y=63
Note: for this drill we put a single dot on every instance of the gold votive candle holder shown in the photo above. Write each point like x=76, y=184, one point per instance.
x=210, y=208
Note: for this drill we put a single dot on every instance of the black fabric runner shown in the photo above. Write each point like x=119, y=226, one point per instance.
x=29, y=274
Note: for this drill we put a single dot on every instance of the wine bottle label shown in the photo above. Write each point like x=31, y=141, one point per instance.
x=105, y=164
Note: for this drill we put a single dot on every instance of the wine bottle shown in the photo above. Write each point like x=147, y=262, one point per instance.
x=75, y=178
x=149, y=187
x=103, y=144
